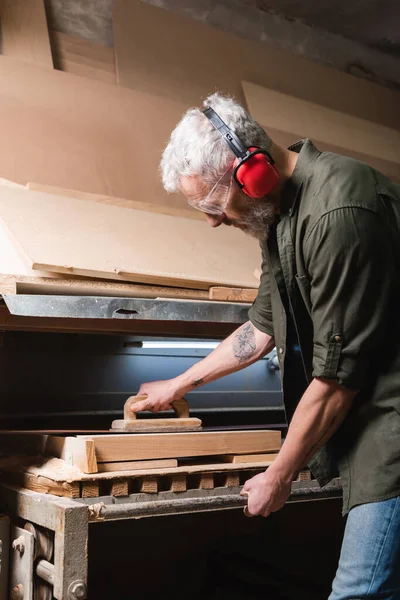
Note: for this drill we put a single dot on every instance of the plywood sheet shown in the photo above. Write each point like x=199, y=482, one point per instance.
x=162, y=209
x=77, y=133
x=24, y=32
x=199, y=59
x=76, y=55
x=68, y=235
x=307, y=119
x=12, y=260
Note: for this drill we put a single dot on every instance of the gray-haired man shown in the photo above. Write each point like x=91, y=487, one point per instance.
x=329, y=231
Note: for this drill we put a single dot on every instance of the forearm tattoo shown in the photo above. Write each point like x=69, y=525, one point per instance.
x=197, y=382
x=244, y=343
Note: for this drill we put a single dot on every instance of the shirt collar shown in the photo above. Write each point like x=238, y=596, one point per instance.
x=308, y=154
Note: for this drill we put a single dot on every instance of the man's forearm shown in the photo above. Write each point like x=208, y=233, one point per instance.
x=243, y=347
x=319, y=413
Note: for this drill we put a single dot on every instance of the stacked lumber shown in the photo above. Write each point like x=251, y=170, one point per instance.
x=44, y=248
x=93, y=465
x=92, y=129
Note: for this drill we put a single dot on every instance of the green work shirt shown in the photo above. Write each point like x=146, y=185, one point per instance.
x=330, y=295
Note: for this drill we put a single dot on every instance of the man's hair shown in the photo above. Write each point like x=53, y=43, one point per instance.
x=196, y=148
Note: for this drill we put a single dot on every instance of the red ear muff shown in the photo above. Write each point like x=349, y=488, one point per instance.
x=255, y=173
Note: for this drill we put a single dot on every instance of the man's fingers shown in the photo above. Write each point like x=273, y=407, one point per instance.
x=244, y=492
x=147, y=405
x=142, y=405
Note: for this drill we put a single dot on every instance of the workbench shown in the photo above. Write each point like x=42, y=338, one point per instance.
x=68, y=519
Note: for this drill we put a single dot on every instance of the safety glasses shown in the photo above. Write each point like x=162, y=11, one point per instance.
x=217, y=198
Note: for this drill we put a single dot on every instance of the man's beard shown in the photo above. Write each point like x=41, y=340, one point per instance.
x=256, y=220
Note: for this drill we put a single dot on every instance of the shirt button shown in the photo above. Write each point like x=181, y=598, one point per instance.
x=337, y=338
x=281, y=350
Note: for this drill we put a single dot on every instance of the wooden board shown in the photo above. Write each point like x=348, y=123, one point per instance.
x=136, y=465
x=77, y=133
x=189, y=213
x=73, y=54
x=19, y=284
x=12, y=260
x=127, y=244
x=156, y=425
x=248, y=458
x=203, y=59
x=147, y=446
x=307, y=119
x=233, y=294
x=79, y=452
x=24, y=32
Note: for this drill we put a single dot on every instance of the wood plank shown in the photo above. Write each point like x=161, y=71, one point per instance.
x=90, y=489
x=148, y=485
x=73, y=54
x=120, y=488
x=123, y=202
x=232, y=480
x=136, y=465
x=113, y=243
x=178, y=483
x=233, y=294
x=58, y=471
x=248, y=458
x=308, y=119
x=46, y=485
x=204, y=468
x=79, y=452
x=73, y=132
x=206, y=481
x=24, y=32
x=304, y=476
x=21, y=284
x=87, y=457
x=169, y=445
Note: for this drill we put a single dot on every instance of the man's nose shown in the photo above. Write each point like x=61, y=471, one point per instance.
x=215, y=220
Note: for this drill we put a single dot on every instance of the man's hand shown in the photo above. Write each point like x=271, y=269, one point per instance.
x=160, y=395
x=266, y=493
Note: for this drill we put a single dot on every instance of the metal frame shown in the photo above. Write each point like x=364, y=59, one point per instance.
x=140, y=309
x=69, y=520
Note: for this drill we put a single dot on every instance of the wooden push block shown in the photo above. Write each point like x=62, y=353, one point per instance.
x=182, y=421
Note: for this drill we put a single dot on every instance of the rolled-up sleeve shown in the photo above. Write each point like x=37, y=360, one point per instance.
x=349, y=258
x=260, y=313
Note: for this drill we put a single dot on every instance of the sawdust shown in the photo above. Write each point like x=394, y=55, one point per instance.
x=54, y=468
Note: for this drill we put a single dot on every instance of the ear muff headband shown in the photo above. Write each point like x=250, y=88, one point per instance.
x=253, y=168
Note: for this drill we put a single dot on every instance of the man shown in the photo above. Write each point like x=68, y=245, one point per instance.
x=329, y=229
